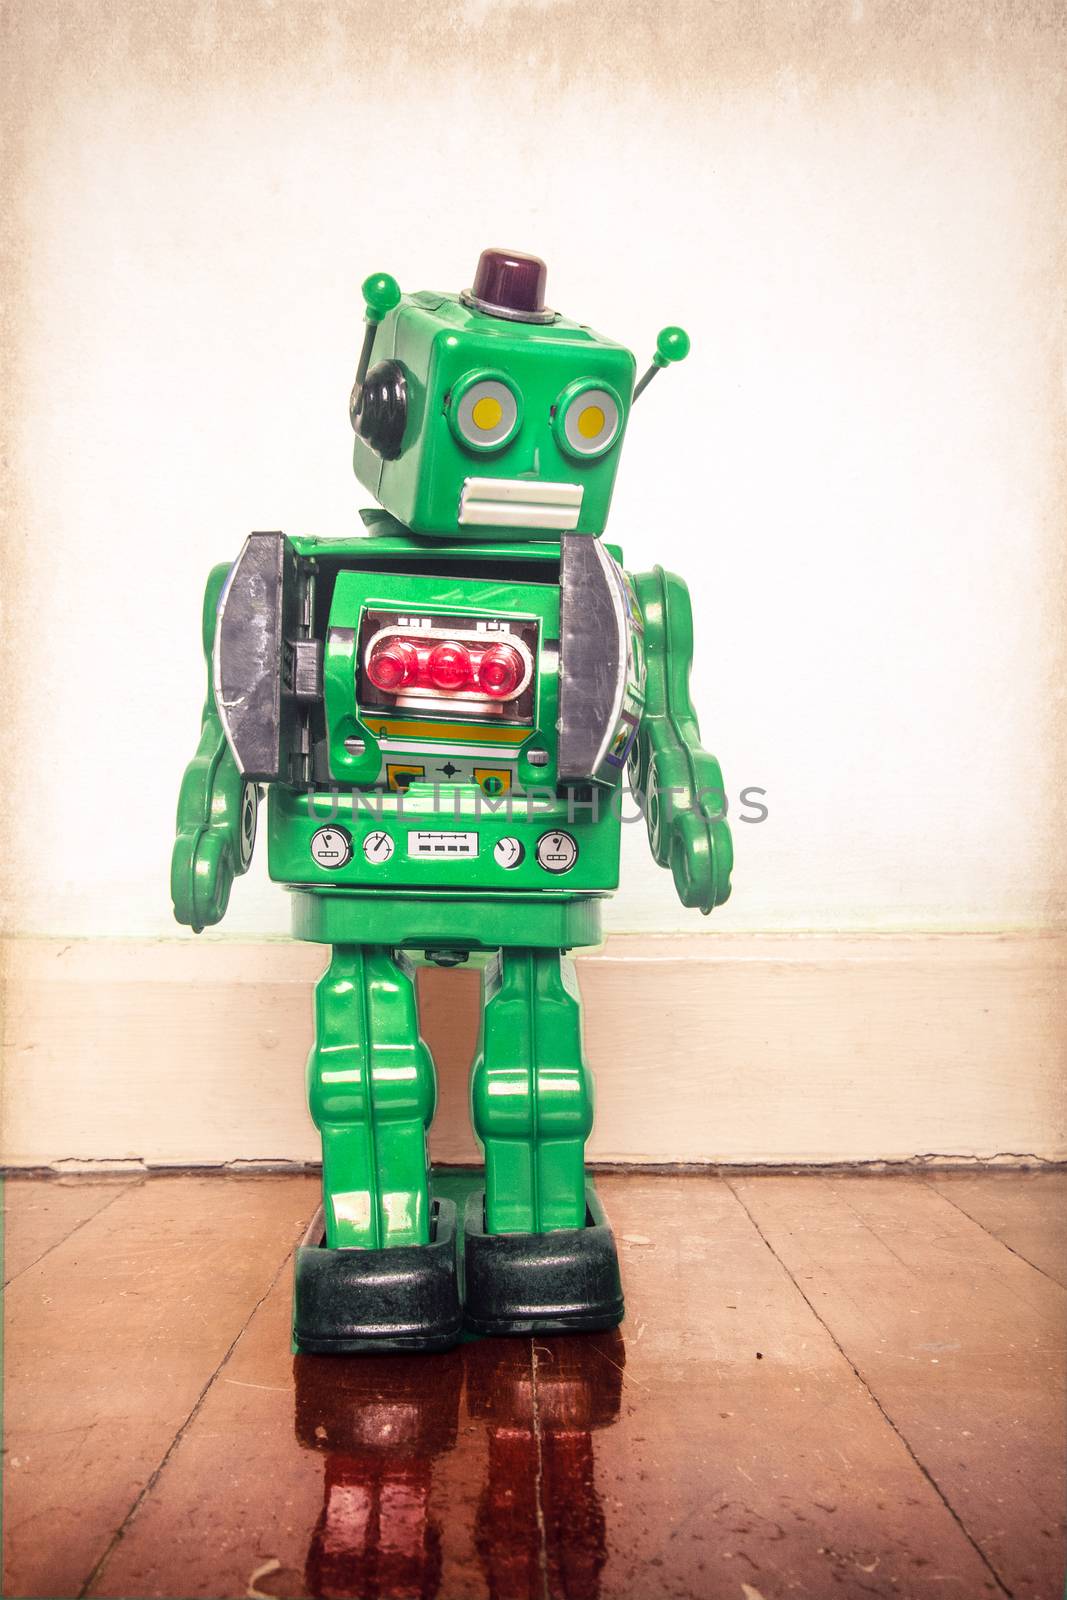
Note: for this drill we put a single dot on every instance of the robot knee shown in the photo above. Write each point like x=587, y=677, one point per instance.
x=403, y=1084
x=502, y=1103
x=565, y=1102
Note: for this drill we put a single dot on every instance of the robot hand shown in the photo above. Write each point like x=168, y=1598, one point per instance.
x=687, y=826
x=216, y=831
x=684, y=800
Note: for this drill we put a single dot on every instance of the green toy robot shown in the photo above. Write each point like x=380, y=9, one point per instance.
x=444, y=708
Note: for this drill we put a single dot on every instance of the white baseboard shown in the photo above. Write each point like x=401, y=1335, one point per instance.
x=726, y=1048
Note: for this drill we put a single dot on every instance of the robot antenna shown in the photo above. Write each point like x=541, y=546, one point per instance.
x=672, y=344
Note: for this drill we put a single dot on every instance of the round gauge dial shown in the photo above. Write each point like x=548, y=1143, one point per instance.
x=378, y=847
x=557, y=851
x=508, y=852
x=331, y=848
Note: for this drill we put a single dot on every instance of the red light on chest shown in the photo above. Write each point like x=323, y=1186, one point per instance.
x=401, y=663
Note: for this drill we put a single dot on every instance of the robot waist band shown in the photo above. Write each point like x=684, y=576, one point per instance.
x=467, y=921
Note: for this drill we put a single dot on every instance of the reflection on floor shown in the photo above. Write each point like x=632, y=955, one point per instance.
x=380, y=1433
x=825, y=1385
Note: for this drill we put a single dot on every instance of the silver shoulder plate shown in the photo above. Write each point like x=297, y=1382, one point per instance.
x=601, y=667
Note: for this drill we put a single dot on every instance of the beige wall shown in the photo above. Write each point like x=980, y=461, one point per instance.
x=740, y=1050
x=856, y=209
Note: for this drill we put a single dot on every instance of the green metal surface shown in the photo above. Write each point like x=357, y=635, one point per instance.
x=371, y=1093
x=387, y=544
x=439, y=342
x=435, y=919
x=685, y=803
x=532, y=1093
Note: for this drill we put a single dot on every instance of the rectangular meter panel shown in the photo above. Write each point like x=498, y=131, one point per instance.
x=434, y=842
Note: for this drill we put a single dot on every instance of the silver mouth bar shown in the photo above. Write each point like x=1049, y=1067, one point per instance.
x=520, y=503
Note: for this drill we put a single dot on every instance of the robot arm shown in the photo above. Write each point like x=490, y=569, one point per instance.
x=216, y=824
x=685, y=804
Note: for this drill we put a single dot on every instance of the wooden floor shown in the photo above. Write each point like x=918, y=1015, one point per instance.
x=825, y=1386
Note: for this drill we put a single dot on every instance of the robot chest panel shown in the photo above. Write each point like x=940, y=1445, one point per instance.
x=450, y=680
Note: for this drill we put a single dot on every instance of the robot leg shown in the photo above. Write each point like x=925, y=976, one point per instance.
x=377, y=1270
x=539, y=1254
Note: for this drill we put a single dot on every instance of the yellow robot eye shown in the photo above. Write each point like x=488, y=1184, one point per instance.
x=588, y=418
x=485, y=411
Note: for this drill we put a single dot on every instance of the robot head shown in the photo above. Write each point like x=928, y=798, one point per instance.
x=485, y=414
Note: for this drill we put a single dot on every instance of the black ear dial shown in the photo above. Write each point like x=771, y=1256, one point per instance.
x=382, y=408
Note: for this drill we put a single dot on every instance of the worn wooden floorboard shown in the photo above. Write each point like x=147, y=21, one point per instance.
x=39, y=1215
x=1027, y=1211
x=823, y=1387
x=109, y=1341
x=748, y=1451
x=960, y=1341
x=359, y=1477
x=190, y=1542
